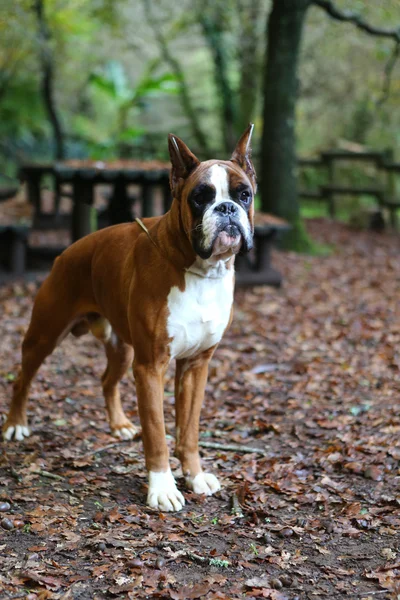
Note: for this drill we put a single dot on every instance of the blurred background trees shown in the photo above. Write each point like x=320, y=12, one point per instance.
x=111, y=78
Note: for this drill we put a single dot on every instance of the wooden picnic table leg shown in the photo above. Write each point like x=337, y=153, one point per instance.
x=263, y=250
x=167, y=196
x=147, y=200
x=393, y=217
x=57, y=198
x=33, y=181
x=331, y=206
x=82, y=221
x=17, y=263
x=119, y=208
x=330, y=166
x=263, y=245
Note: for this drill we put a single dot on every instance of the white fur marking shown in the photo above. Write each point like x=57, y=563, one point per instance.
x=8, y=434
x=200, y=314
x=219, y=179
x=125, y=433
x=163, y=493
x=203, y=483
x=19, y=432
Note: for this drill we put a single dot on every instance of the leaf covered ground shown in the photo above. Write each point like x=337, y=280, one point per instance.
x=308, y=375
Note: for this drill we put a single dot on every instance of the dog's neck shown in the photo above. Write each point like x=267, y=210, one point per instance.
x=174, y=244
x=170, y=238
x=212, y=268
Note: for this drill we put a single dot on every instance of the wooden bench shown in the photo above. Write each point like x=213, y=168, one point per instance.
x=391, y=202
x=312, y=194
x=13, y=247
x=13, y=237
x=255, y=268
x=327, y=192
x=7, y=192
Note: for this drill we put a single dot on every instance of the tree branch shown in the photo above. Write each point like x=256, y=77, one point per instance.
x=351, y=17
x=47, y=67
x=174, y=64
x=388, y=74
x=233, y=448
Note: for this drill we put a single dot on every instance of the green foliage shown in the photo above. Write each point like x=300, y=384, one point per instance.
x=115, y=89
x=110, y=127
x=342, y=83
x=21, y=109
x=113, y=82
x=95, y=95
x=217, y=562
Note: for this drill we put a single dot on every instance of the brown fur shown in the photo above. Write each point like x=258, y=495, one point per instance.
x=123, y=275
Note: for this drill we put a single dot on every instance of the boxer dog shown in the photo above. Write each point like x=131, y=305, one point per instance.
x=152, y=291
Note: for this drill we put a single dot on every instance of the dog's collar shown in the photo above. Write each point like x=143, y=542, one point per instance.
x=213, y=273
x=147, y=232
x=143, y=226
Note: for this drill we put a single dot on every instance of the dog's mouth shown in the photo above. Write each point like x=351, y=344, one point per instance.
x=228, y=238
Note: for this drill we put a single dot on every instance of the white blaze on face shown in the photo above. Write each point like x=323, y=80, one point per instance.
x=219, y=178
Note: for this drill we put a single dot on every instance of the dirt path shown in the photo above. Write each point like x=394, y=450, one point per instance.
x=308, y=374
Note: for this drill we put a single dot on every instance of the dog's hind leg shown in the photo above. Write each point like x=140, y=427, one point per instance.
x=47, y=328
x=119, y=360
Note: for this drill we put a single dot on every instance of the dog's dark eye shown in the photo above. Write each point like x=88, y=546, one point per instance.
x=245, y=196
x=198, y=197
x=203, y=195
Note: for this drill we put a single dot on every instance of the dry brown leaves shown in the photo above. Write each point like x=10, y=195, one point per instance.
x=309, y=374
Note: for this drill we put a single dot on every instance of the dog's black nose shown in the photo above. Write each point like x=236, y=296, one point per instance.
x=227, y=208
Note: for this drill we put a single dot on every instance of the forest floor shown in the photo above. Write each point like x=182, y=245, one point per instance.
x=308, y=375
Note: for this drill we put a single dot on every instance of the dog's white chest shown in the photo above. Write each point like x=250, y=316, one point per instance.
x=199, y=315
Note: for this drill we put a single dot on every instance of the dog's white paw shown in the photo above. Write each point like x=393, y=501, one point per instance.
x=203, y=483
x=16, y=432
x=128, y=432
x=163, y=493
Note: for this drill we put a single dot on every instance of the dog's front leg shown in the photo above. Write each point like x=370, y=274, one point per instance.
x=190, y=382
x=163, y=493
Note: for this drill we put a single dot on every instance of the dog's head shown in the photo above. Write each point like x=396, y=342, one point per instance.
x=215, y=198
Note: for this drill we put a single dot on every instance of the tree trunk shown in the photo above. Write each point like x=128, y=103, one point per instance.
x=212, y=21
x=249, y=62
x=47, y=83
x=278, y=149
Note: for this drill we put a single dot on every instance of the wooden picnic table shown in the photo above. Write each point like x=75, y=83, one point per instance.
x=33, y=174
x=84, y=176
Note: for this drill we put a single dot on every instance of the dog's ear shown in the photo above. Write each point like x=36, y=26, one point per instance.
x=182, y=159
x=242, y=155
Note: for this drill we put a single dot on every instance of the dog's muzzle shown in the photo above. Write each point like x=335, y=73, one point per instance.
x=226, y=228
